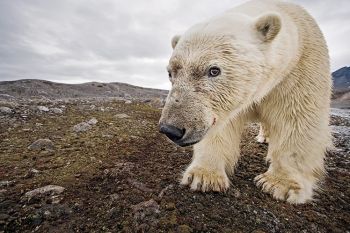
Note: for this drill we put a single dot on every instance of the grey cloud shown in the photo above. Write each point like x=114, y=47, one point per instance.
x=114, y=40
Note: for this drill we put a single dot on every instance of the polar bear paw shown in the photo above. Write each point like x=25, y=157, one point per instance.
x=204, y=179
x=283, y=189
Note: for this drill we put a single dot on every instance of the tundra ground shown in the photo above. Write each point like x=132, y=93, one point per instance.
x=121, y=175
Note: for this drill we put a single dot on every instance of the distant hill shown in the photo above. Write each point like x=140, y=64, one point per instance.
x=341, y=88
x=33, y=88
x=341, y=79
x=28, y=88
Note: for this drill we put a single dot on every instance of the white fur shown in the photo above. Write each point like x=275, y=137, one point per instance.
x=284, y=83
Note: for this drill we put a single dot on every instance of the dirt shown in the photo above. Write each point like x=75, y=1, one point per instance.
x=122, y=176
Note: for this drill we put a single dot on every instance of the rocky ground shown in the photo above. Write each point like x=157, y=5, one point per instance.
x=102, y=166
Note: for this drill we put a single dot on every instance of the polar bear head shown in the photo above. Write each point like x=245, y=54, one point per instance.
x=216, y=69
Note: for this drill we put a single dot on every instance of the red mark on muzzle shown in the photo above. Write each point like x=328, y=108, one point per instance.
x=214, y=121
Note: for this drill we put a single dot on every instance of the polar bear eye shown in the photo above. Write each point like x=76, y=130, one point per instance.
x=214, y=71
x=169, y=73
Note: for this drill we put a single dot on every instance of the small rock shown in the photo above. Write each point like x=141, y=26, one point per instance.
x=145, y=208
x=112, y=212
x=119, y=169
x=35, y=219
x=128, y=102
x=258, y=231
x=52, y=189
x=121, y=116
x=42, y=144
x=31, y=173
x=114, y=197
x=43, y=109
x=157, y=102
x=164, y=190
x=236, y=193
x=56, y=199
x=57, y=110
x=170, y=206
x=107, y=136
x=139, y=185
x=184, y=229
x=6, y=96
x=47, y=213
x=5, y=110
x=7, y=183
x=4, y=216
x=92, y=121
x=33, y=170
x=47, y=152
x=81, y=127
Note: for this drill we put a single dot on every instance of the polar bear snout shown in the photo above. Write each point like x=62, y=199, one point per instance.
x=183, y=127
x=172, y=132
x=181, y=136
x=186, y=117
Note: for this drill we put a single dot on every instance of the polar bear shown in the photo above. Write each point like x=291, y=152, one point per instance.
x=263, y=61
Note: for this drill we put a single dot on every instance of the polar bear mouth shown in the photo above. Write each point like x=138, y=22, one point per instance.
x=191, y=138
x=184, y=144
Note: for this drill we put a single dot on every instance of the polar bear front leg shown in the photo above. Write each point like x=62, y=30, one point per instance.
x=214, y=158
x=287, y=183
x=294, y=170
x=207, y=170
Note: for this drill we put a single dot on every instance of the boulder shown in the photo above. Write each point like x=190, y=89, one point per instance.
x=48, y=189
x=42, y=144
x=82, y=127
x=57, y=110
x=43, y=109
x=92, y=121
x=121, y=116
x=5, y=110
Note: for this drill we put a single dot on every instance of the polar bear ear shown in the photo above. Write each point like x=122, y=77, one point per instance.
x=175, y=40
x=268, y=26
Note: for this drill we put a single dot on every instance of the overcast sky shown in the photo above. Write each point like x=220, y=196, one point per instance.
x=75, y=41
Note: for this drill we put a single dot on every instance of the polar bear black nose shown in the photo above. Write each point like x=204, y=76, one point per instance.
x=172, y=132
